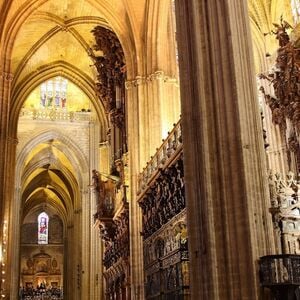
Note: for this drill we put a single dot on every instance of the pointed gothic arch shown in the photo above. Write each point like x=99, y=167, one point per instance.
x=24, y=88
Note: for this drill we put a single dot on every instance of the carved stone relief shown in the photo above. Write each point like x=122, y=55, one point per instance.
x=285, y=209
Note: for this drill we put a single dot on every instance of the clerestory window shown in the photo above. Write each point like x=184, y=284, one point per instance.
x=54, y=93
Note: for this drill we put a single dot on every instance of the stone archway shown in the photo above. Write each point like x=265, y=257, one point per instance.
x=57, y=197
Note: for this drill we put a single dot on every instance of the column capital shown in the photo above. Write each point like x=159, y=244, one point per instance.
x=7, y=76
x=220, y=115
x=134, y=82
x=157, y=75
x=161, y=75
x=13, y=140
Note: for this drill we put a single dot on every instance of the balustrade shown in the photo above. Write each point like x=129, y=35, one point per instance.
x=55, y=115
x=161, y=197
x=170, y=146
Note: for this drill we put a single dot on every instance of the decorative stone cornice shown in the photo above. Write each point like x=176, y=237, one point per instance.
x=7, y=76
x=158, y=75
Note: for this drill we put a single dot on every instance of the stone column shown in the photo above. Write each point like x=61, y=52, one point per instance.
x=227, y=199
x=70, y=284
x=138, y=119
x=7, y=171
x=137, y=157
x=96, y=254
x=5, y=86
x=163, y=106
x=15, y=242
x=10, y=212
x=85, y=213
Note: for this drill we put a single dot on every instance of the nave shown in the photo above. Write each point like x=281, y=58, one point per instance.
x=149, y=149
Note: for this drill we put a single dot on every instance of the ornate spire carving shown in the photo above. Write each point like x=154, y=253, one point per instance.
x=110, y=85
x=285, y=80
x=284, y=192
x=111, y=66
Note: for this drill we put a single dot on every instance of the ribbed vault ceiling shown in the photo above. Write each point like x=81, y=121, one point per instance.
x=56, y=31
x=263, y=13
x=48, y=177
x=59, y=31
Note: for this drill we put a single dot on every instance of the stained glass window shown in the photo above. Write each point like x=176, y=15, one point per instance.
x=43, y=221
x=54, y=93
x=296, y=10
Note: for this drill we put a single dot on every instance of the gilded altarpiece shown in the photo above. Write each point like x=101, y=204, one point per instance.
x=41, y=264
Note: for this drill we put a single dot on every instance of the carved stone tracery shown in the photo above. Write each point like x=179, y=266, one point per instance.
x=285, y=209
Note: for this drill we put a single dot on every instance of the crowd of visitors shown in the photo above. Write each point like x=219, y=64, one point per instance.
x=41, y=292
